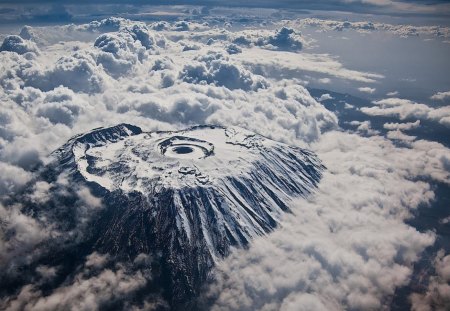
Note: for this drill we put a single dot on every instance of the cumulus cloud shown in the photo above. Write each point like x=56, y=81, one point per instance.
x=47, y=272
x=124, y=75
x=233, y=49
x=61, y=105
x=83, y=293
x=325, y=96
x=41, y=192
x=403, y=108
x=399, y=135
x=18, y=45
x=277, y=64
x=402, y=30
x=441, y=95
x=325, y=254
x=45, y=103
x=407, y=109
x=393, y=93
x=324, y=80
x=122, y=50
x=84, y=71
x=284, y=38
x=348, y=106
x=13, y=177
x=78, y=71
x=437, y=294
x=181, y=26
x=364, y=127
x=215, y=68
x=19, y=236
x=402, y=126
x=96, y=260
x=25, y=236
x=367, y=89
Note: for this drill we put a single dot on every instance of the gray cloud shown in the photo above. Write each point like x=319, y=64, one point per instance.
x=18, y=45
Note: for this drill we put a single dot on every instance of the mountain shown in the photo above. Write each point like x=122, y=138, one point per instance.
x=183, y=197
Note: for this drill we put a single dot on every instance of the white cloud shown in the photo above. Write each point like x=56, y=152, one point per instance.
x=20, y=234
x=402, y=126
x=326, y=253
x=437, y=295
x=233, y=49
x=399, y=135
x=393, y=93
x=367, y=89
x=348, y=106
x=88, y=199
x=83, y=293
x=24, y=235
x=12, y=177
x=325, y=97
x=96, y=260
x=47, y=99
x=276, y=63
x=215, y=68
x=441, y=95
x=41, y=192
x=47, y=272
x=402, y=108
x=285, y=38
x=402, y=30
x=405, y=109
x=324, y=256
x=364, y=127
x=324, y=80
x=445, y=220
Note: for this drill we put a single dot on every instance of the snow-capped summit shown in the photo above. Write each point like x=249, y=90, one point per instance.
x=224, y=180
x=202, y=155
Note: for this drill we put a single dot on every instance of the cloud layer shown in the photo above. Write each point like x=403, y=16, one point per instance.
x=346, y=248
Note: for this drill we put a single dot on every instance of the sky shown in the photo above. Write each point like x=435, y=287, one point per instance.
x=69, y=10
x=362, y=84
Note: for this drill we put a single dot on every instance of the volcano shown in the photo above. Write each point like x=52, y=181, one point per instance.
x=186, y=197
